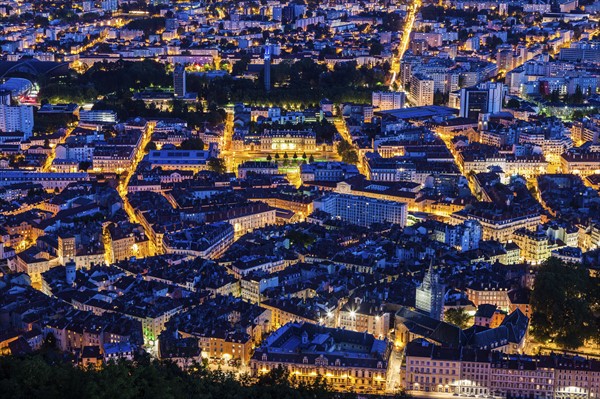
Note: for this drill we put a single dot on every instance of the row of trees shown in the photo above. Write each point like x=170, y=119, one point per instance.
x=50, y=376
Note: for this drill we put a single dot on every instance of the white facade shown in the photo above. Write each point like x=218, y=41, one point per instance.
x=16, y=119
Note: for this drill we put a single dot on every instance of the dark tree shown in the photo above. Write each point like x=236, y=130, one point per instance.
x=562, y=301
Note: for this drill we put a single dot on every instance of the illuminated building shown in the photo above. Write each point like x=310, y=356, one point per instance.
x=362, y=211
x=16, y=119
x=278, y=142
x=363, y=316
x=347, y=360
x=430, y=295
x=582, y=164
x=422, y=90
x=484, y=99
x=179, y=81
x=386, y=100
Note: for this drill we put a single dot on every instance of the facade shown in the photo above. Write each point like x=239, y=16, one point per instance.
x=16, y=119
x=422, y=90
x=327, y=171
x=484, y=373
x=486, y=98
x=278, y=142
x=179, y=80
x=362, y=211
x=348, y=360
x=362, y=316
x=430, y=295
x=387, y=100
x=582, y=164
x=175, y=159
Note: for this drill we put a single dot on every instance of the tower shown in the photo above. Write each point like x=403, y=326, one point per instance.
x=179, y=80
x=430, y=295
x=70, y=272
x=267, y=70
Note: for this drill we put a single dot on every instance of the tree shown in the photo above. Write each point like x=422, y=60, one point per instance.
x=577, y=96
x=150, y=146
x=269, y=158
x=304, y=155
x=350, y=157
x=217, y=165
x=342, y=147
x=85, y=165
x=192, y=144
x=311, y=159
x=459, y=317
x=562, y=302
x=513, y=103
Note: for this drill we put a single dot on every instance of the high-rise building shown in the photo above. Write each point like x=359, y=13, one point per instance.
x=16, y=119
x=430, y=295
x=179, y=80
x=483, y=99
x=5, y=97
x=267, y=71
x=422, y=90
x=387, y=100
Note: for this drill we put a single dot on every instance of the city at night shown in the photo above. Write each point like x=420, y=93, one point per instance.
x=300, y=199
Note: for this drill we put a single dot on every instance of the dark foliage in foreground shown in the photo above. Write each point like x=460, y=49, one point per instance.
x=50, y=376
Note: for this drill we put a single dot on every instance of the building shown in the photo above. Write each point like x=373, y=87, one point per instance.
x=346, y=359
x=267, y=67
x=257, y=167
x=486, y=98
x=582, y=164
x=99, y=117
x=175, y=159
x=179, y=81
x=485, y=373
x=362, y=211
x=362, y=316
x=431, y=368
x=16, y=119
x=327, y=171
x=278, y=142
x=422, y=90
x=430, y=295
x=387, y=100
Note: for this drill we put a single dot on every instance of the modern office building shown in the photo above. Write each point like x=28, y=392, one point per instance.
x=483, y=99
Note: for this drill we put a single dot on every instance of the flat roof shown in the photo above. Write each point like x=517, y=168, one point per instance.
x=422, y=112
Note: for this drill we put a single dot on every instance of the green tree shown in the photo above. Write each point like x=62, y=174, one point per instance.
x=459, y=317
x=563, y=301
x=350, y=157
x=217, y=165
x=342, y=147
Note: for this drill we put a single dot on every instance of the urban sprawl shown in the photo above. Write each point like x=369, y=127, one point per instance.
x=390, y=195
